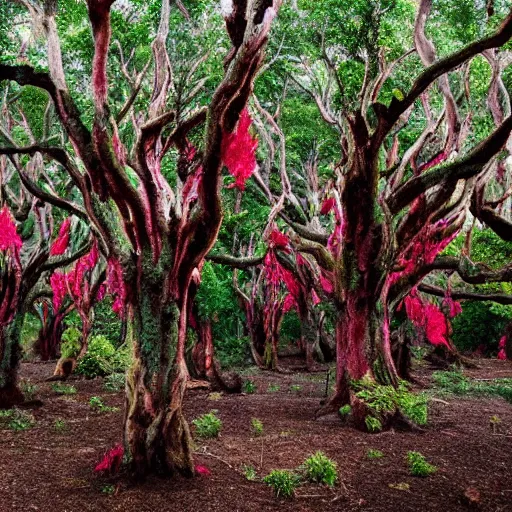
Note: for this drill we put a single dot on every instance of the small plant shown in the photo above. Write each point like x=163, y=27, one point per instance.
x=373, y=424
x=257, y=427
x=418, y=466
x=108, y=489
x=249, y=387
x=63, y=389
x=283, y=482
x=28, y=389
x=249, y=472
x=374, y=454
x=208, y=425
x=273, y=388
x=97, y=404
x=494, y=421
x=60, y=425
x=114, y=382
x=15, y=419
x=214, y=397
x=320, y=469
x=295, y=388
x=345, y=410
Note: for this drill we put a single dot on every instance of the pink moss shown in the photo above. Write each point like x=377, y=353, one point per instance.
x=9, y=238
x=202, y=470
x=116, y=286
x=112, y=460
x=238, y=151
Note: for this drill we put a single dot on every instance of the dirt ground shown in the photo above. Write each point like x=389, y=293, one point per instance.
x=51, y=469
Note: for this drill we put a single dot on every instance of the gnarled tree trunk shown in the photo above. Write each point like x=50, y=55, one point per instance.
x=10, y=356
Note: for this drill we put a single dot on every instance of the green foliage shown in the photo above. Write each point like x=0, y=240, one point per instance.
x=283, y=482
x=373, y=424
x=16, y=419
x=28, y=389
x=374, y=454
x=249, y=472
x=108, y=489
x=382, y=400
x=295, y=388
x=273, y=388
x=257, y=427
x=60, y=425
x=208, y=425
x=71, y=342
x=63, y=389
x=249, y=387
x=320, y=469
x=418, y=466
x=103, y=359
x=114, y=382
x=97, y=404
x=345, y=410
x=456, y=383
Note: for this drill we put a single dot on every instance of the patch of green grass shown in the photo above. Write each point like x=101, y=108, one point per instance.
x=418, y=466
x=208, y=425
x=257, y=427
x=28, y=389
x=16, y=419
x=373, y=424
x=273, y=388
x=249, y=387
x=456, y=383
x=114, y=382
x=283, y=482
x=97, y=404
x=249, y=472
x=345, y=410
x=320, y=469
x=63, y=389
x=59, y=425
x=295, y=388
x=374, y=454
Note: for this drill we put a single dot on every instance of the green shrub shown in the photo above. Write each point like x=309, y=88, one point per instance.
x=382, y=400
x=320, y=469
x=257, y=427
x=103, y=359
x=208, y=425
x=114, y=382
x=249, y=387
x=16, y=419
x=418, y=466
x=283, y=482
x=63, y=389
x=374, y=454
x=71, y=342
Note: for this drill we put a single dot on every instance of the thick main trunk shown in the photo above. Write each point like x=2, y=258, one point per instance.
x=10, y=356
x=157, y=436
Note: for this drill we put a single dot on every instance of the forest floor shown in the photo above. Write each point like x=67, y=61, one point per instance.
x=49, y=467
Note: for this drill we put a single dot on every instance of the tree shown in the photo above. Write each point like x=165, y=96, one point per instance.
x=393, y=212
x=155, y=237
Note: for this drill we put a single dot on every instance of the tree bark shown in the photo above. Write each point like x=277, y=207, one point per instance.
x=10, y=356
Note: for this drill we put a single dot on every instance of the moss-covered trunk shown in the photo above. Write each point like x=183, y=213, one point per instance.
x=10, y=356
x=157, y=436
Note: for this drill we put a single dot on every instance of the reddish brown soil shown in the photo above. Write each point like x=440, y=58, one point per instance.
x=48, y=470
